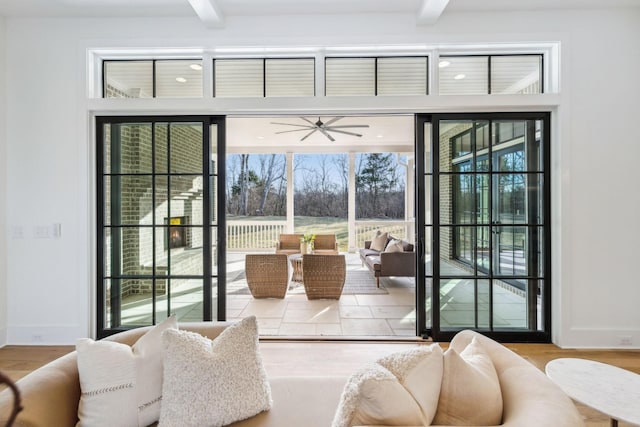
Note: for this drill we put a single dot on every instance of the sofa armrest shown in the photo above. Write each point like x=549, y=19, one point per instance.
x=50, y=395
x=397, y=263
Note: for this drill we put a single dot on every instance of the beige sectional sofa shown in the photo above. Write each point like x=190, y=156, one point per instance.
x=50, y=395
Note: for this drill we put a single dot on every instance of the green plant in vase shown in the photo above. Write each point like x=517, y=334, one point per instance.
x=306, y=243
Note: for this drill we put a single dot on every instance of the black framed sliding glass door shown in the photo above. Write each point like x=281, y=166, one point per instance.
x=483, y=196
x=158, y=220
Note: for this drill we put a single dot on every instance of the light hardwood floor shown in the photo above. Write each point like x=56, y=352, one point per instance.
x=303, y=358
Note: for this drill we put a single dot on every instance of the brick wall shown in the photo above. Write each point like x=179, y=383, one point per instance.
x=138, y=205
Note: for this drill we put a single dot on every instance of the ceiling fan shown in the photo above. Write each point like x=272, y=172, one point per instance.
x=320, y=126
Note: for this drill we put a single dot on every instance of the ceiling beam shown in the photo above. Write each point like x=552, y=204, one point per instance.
x=209, y=12
x=430, y=11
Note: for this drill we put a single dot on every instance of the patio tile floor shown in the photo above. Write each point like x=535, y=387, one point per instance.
x=360, y=315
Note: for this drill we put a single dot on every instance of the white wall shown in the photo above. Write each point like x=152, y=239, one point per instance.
x=595, y=228
x=3, y=192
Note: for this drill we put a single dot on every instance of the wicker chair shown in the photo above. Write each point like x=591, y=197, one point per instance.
x=267, y=275
x=323, y=275
x=288, y=244
x=325, y=244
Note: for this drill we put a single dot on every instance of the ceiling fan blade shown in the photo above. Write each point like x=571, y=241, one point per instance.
x=325, y=133
x=289, y=124
x=347, y=126
x=295, y=130
x=309, y=121
x=344, y=131
x=309, y=134
x=335, y=119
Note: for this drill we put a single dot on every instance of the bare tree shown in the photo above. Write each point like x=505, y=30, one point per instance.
x=271, y=170
x=244, y=183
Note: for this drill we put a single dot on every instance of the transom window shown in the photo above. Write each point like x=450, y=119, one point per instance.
x=504, y=74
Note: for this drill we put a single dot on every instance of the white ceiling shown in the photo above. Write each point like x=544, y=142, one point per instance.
x=384, y=134
x=228, y=8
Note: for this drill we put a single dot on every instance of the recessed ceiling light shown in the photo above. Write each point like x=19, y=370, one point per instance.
x=181, y=80
x=443, y=63
x=196, y=67
x=261, y=137
x=380, y=136
x=460, y=76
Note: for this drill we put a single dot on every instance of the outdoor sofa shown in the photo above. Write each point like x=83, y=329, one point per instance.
x=50, y=394
x=385, y=263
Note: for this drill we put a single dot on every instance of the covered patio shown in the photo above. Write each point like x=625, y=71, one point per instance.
x=361, y=313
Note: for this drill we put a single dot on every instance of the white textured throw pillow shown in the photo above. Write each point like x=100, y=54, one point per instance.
x=379, y=241
x=470, y=393
x=121, y=385
x=419, y=370
x=373, y=396
x=213, y=383
x=394, y=245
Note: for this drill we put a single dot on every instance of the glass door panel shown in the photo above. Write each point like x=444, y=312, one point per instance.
x=155, y=251
x=488, y=188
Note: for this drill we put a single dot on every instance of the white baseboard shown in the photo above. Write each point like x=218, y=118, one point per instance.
x=619, y=339
x=46, y=335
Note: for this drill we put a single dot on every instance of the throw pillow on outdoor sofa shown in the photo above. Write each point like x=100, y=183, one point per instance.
x=379, y=241
x=395, y=245
x=121, y=385
x=213, y=382
x=470, y=393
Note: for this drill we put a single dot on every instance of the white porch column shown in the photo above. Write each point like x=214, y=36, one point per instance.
x=352, y=203
x=290, y=224
x=410, y=200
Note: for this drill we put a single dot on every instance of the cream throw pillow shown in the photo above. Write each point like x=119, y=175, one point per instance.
x=379, y=241
x=121, y=385
x=394, y=245
x=373, y=396
x=398, y=390
x=419, y=370
x=470, y=393
x=213, y=383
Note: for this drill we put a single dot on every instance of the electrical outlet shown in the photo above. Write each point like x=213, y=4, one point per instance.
x=36, y=338
x=625, y=340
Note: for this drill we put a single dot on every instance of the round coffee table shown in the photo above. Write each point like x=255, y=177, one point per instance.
x=611, y=390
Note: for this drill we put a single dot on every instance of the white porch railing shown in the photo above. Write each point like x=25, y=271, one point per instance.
x=254, y=235
x=400, y=229
x=262, y=235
